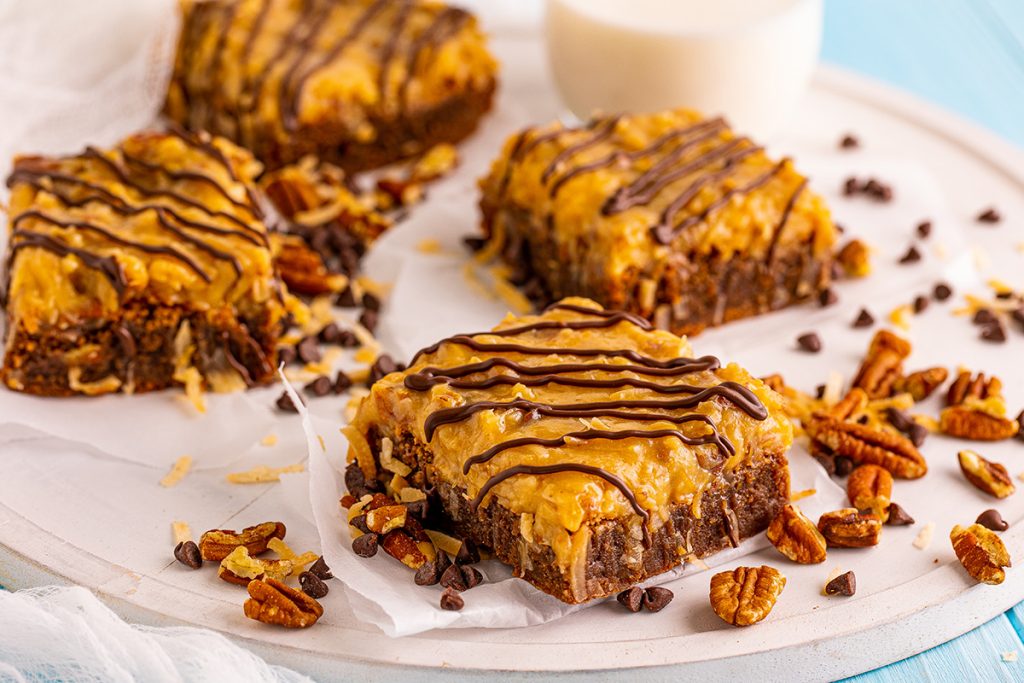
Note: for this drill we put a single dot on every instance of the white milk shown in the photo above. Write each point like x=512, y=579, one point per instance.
x=747, y=59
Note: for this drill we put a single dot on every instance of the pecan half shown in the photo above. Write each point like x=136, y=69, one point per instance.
x=967, y=386
x=975, y=424
x=987, y=476
x=848, y=528
x=883, y=364
x=869, y=489
x=981, y=552
x=272, y=602
x=303, y=270
x=796, y=537
x=864, y=445
x=217, y=544
x=746, y=595
x=239, y=568
x=921, y=384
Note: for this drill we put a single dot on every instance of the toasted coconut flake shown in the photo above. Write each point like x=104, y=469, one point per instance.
x=181, y=532
x=181, y=467
x=262, y=474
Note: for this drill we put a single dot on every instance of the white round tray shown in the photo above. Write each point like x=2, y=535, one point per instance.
x=45, y=539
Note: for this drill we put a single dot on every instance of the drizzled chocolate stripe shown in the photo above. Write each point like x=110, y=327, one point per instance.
x=691, y=191
x=448, y=22
x=567, y=467
x=664, y=233
x=182, y=174
x=618, y=316
x=777, y=233
x=390, y=46
x=112, y=237
x=106, y=265
x=600, y=134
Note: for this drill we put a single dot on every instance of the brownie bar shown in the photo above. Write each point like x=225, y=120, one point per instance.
x=139, y=268
x=667, y=215
x=358, y=83
x=583, y=447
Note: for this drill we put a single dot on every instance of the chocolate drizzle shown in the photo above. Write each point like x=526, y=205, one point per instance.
x=106, y=265
x=634, y=410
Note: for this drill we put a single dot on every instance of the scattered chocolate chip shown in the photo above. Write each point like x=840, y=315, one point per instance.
x=329, y=334
x=851, y=186
x=864, y=319
x=321, y=386
x=359, y=522
x=849, y=141
x=371, y=302
x=187, y=552
x=309, y=350
x=342, y=382
x=843, y=466
x=991, y=519
x=898, y=516
x=368, y=319
x=844, y=584
x=468, y=553
x=348, y=339
x=924, y=229
x=1017, y=315
x=474, y=243
x=920, y=303
x=631, y=598
x=418, y=508
x=878, y=190
x=429, y=573
x=989, y=215
x=383, y=366
x=809, y=342
x=656, y=598
x=907, y=425
x=840, y=228
x=365, y=545
x=285, y=404
x=984, y=316
x=286, y=355
x=993, y=332
x=452, y=601
x=320, y=570
x=1020, y=431
x=461, y=577
x=836, y=271
x=942, y=291
x=827, y=297
x=819, y=391
x=912, y=255
x=312, y=585
x=346, y=298
x=354, y=478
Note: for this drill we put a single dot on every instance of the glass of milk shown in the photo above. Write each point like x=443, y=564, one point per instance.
x=749, y=60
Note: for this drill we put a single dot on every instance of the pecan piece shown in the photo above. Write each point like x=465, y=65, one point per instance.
x=384, y=519
x=403, y=547
x=303, y=270
x=921, y=384
x=967, y=386
x=981, y=552
x=239, y=568
x=855, y=401
x=987, y=476
x=796, y=537
x=848, y=528
x=746, y=595
x=864, y=445
x=883, y=364
x=869, y=489
x=855, y=258
x=217, y=544
x=272, y=602
x=976, y=425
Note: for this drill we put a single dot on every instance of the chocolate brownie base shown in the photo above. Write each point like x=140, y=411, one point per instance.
x=691, y=294
x=738, y=505
x=138, y=349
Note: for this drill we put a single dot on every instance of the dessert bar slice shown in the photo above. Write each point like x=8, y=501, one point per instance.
x=668, y=215
x=581, y=446
x=137, y=268
x=359, y=83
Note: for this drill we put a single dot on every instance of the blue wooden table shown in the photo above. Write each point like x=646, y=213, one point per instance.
x=967, y=56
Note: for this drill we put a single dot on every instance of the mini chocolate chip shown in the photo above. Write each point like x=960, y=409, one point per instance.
x=920, y=303
x=286, y=355
x=924, y=229
x=840, y=228
x=984, y=316
x=991, y=519
x=427, y=574
x=657, y=598
x=912, y=255
x=898, y=516
x=819, y=391
x=308, y=350
x=359, y=522
x=329, y=334
x=993, y=332
x=365, y=545
x=418, y=508
x=851, y=186
x=878, y=190
x=342, y=382
x=371, y=302
x=320, y=570
x=452, y=601
x=285, y=404
x=942, y=291
x=187, y=552
x=347, y=339
x=849, y=141
x=354, y=477
x=468, y=553
x=346, y=299
x=461, y=577
x=368, y=319
x=474, y=243
x=906, y=424
x=843, y=466
x=312, y=585
x=809, y=342
x=844, y=584
x=321, y=386
x=864, y=319
x=1020, y=430
x=472, y=576
x=827, y=297
x=836, y=271
x=383, y=366
x=989, y=215
x=631, y=598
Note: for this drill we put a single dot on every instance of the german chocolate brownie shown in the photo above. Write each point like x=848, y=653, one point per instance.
x=138, y=268
x=358, y=83
x=581, y=446
x=668, y=215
